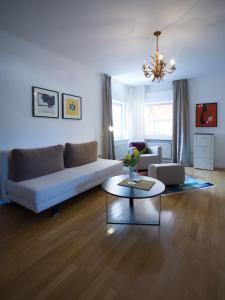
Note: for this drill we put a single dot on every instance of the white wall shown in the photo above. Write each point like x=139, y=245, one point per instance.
x=120, y=91
x=209, y=89
x=23, y=65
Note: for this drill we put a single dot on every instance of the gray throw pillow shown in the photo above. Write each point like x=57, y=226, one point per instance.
x=80, y=154
x=31, y=163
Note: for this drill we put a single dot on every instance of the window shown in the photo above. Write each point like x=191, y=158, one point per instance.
x=158, y=120
x=119, y=111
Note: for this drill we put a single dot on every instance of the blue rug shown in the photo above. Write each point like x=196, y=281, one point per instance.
x=189, y=184
x=2, y=202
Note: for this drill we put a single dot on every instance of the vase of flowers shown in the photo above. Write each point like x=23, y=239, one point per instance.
x=131, y=172
x=131, y=159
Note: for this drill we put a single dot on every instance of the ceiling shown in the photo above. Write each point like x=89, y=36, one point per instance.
x=116, y=36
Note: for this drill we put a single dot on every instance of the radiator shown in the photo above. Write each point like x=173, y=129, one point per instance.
x=166, y=147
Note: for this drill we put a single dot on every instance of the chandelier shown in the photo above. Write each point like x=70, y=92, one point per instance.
x=158, y=66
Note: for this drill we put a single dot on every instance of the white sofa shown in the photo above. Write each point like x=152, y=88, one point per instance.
x=46, y=191
x=153, y=157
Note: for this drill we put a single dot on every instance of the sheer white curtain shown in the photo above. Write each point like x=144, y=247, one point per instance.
x=136, y=113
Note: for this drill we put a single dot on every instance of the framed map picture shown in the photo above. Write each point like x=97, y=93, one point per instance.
x=71, y=107
x=206, y=115
x=45, y=103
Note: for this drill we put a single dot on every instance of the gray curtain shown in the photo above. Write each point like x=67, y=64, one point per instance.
x=181, y=134
x=108, y=137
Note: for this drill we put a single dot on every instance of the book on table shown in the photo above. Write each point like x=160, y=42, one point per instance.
x=141, y=184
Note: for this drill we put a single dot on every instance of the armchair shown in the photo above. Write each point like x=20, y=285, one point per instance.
x=152, y=155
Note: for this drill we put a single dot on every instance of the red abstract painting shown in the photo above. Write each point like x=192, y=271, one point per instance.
x=206, y=115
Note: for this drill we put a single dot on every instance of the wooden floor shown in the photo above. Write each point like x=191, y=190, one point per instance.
x=73, y=257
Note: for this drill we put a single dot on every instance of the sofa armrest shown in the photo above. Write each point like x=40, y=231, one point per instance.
x=4, y=174
x=156, y=150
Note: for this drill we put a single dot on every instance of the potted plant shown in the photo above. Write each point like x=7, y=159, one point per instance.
x=131, y=159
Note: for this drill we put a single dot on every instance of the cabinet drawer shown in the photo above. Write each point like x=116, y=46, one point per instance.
x=204, y=140
x=203, y=163
x=202, y=151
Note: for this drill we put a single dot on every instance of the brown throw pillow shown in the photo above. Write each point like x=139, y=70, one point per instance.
x=32, y=163
x=80, y=154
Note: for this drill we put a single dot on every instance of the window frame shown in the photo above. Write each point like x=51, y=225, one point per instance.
x=124, y=122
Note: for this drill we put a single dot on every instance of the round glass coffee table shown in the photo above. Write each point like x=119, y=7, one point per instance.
x=128, y=205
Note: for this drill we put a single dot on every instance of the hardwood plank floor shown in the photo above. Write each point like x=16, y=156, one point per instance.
x=73, y=256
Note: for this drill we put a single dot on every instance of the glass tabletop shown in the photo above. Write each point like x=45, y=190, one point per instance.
x=111, y=186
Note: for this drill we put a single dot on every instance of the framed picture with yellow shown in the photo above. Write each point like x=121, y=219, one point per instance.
x=71, y=107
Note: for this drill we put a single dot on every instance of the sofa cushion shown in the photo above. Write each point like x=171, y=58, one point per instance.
x=43, y=192
x=139, y=145
x=31, y=163
x=80, y=154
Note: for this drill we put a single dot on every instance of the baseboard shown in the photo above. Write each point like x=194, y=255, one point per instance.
x=219, y=169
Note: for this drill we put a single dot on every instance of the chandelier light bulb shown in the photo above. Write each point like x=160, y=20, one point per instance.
x=161, y=57
x=110, y=128
x=145, y=65
x=172, y=62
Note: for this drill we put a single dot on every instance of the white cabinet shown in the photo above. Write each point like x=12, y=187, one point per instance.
x=204, y=151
